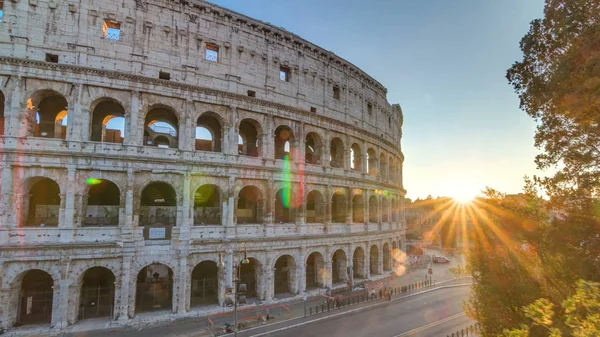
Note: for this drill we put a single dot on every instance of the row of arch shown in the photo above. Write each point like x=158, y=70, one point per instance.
x=154, y=283
x=49, y=110
x=159, y=202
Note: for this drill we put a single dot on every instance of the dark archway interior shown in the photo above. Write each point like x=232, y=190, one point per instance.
x=356, y=157
x=35, y=301
x=249, y=134
x=49, y=109
x=154, y=288
x=283, y=277
x=284, y=210
x=387, y=266
x=372, y=162
x=338, y=208
x=102, y=114
x=212, y=124
x=158, y=204
x=249, y=275
x=103, y=204
x=283, y=142
x=314, y=265
x=205, y=284
x=338, y=267
x=161, y=128
x=249, y=205
x=358, y=211
x=315, y=207
x=97, y=293
x=336, y=152
x=358, y=262
x=373, y=209
x=44, y=203
x=374, y=260
x=207, y=205
x=312, y=146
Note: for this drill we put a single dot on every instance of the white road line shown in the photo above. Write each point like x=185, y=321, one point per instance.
x=430, y=325
x=343, y=312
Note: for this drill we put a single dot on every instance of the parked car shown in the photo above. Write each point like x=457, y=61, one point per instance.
x=440, y=259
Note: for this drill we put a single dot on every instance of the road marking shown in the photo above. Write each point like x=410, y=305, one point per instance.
x=266, y=333
x=430, y=325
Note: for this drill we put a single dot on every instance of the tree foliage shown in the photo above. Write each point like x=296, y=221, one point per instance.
x=558, y=82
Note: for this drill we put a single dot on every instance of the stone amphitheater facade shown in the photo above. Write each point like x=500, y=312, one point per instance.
x=149, y=146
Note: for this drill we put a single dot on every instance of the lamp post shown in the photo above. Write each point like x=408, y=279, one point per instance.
x=236, y=278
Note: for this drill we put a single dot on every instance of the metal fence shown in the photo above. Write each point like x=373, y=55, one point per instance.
x=207, y=216
x=222, y=323
x=471, y=330
x=35, y=308
x=96, y=302
x=101, y=221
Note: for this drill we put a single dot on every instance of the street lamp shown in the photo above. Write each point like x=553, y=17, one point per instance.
x=237, y=287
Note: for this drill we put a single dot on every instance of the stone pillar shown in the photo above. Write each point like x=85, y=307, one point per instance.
x=349, y=209
x=328, y=266
x=366, y=211
x=184, y=219
x=299, y=155
x=367, y=264
x=363, y=162
x=270, y=206
x=130, y=219
x=134, y=121
x=183, y=290
x=301, y=266
x=269, y=276
x=326, y=150
x=187, y=131
x=229, y=220
x=60, y=299
x=268, y=139
x=379, y=211
x=380, y=260
x=67, y=221
x=7, y=205
x=301, y=215
x=347, y=148
x=328, y=206
x=127, y=309
x=231, y=133
x=78, y=119
x=15, y=123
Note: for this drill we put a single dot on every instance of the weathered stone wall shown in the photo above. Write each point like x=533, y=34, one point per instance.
x=171, y=36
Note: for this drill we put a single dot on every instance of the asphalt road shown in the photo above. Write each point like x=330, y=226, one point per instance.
x=437, y=313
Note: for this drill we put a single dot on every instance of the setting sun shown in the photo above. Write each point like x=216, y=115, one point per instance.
x=464, y=198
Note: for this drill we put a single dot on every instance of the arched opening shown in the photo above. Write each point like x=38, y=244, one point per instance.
x=51, y=116
x=355, y=157
x=283, y=139
x=160, y=128
x=249, y=206
x=248, y=138
x=385, y=209
x=315, y=270
x=382, y=165
x=43, y=204
x=285, y=275
x=374, y=260
x=103, y=203
x=373, y=216
x=358, y=209
x=338, y=208
x=358, y=262
x=97, y=293
x=154, y=288
x=285, y=211
x=2, y=99
x=205, y=284
x=312, y=148
x=371, y=162
x=315, y=207
x=108, y=122
x=250, y=275
x=208, y=133
x=35, y=300
x=207, y=205
x=387, y=266
x=392, y=170
x=339, y=266
x=158, y=205
x=336, y=153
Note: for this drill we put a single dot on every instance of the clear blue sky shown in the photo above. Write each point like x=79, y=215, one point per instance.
x=444, y=62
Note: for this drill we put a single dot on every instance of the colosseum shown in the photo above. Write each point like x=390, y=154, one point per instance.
x=153, y=151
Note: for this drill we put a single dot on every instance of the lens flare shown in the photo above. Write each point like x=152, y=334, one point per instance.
x=93, y=181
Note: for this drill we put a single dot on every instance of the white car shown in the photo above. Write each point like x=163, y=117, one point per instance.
x=440, y=259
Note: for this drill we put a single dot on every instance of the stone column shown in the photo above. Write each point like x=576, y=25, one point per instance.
x=183, y=290
x=229, y=220
x=299, y=155
x=349, y=208
x=379, y=211
x=130, y=219
x=268, y=139
x=134, y=121
x=301, y=266
x=347, y=148
x=367, y=264
x=366, y=212
x=7, y=205
x=16, y=106
x=328, y=266
x=186, y=134
x=67, y=221
x=270, y=206
x=325, y=150
x=78, y=119
x=231, y=133
x=60, y=300
x=363, y=162
x=127, y=309
x=185, y=219
x=380, y=260
x=328, y=206
x=269, y=276
x=301, y=215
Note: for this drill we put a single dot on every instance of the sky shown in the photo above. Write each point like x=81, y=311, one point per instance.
x=444, y=62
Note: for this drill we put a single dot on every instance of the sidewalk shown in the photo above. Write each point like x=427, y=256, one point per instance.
x=162, y=324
